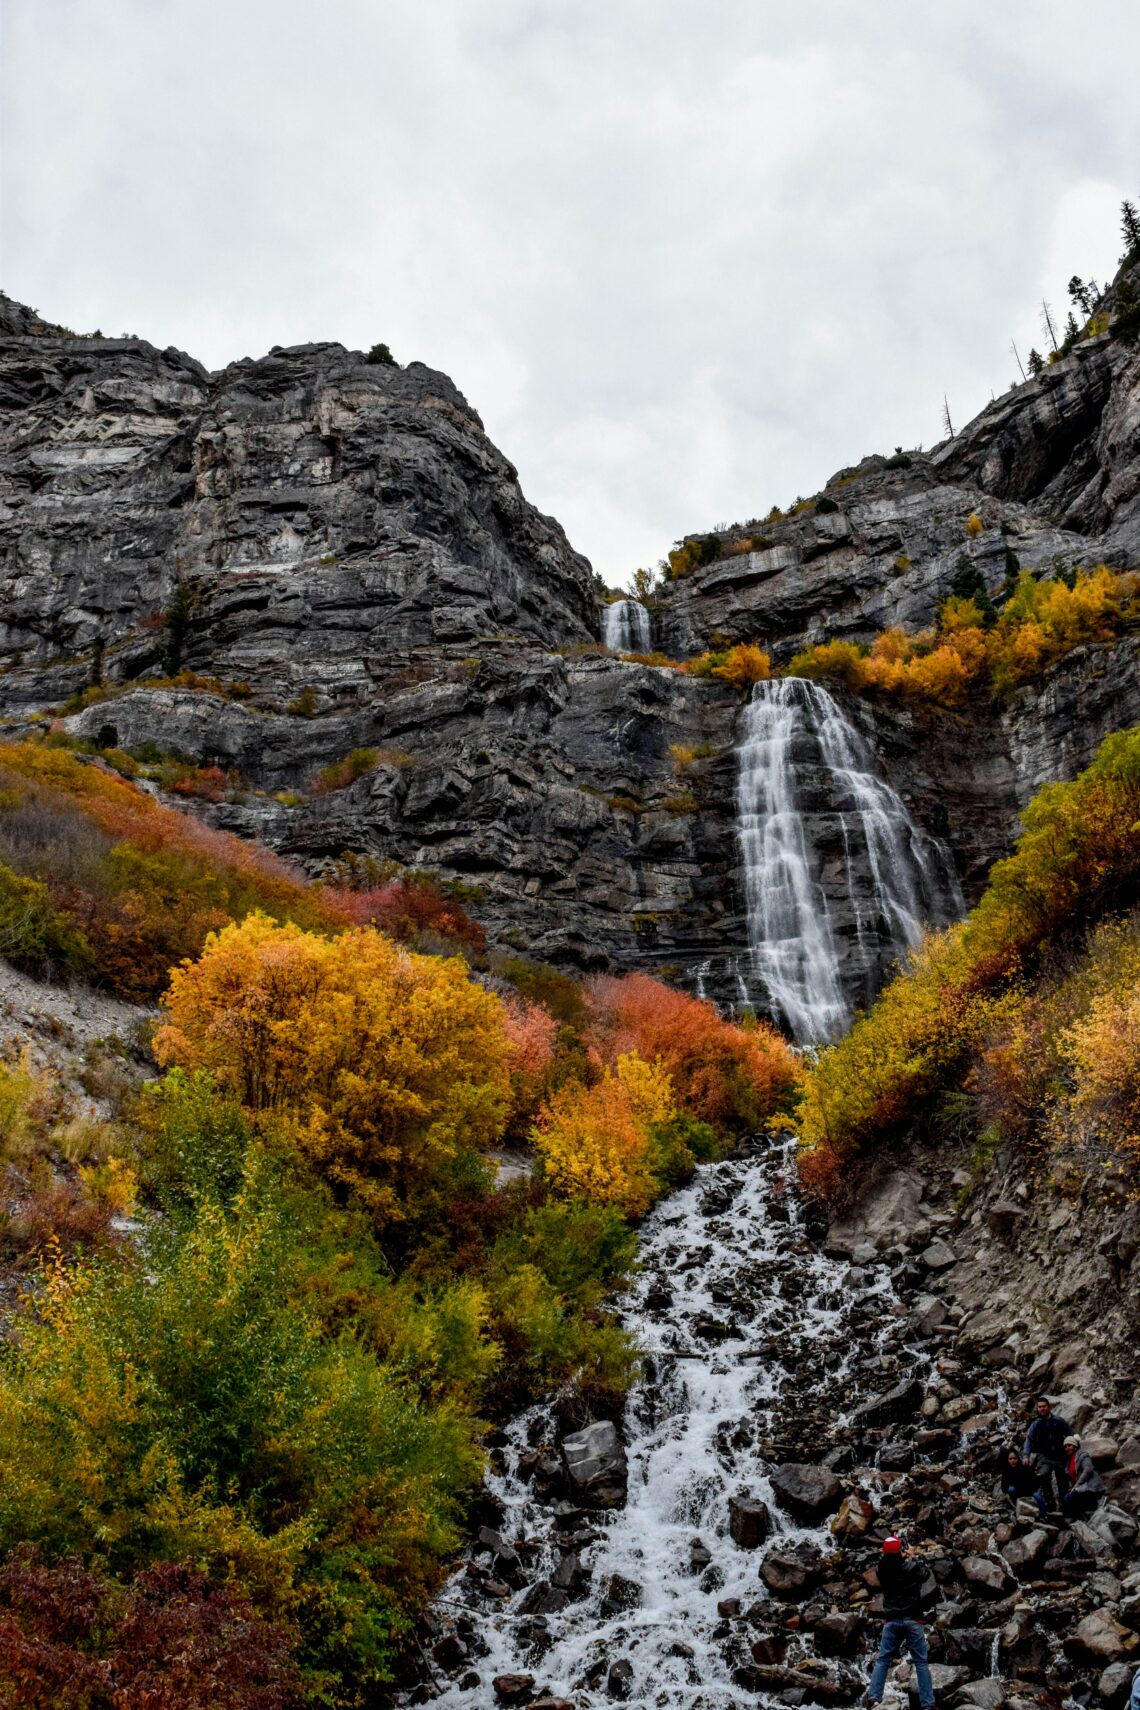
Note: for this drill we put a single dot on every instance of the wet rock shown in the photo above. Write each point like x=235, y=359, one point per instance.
x=621, y=1593
x=807, y=1493
x=1103, y=1638
x=449, y=1652
x=513, y=1688
x=1115, y=1683
x=596, y=1466
x=896, y=1457
x=1024, y=1554
x=619, y=1680
x=571, y=1576
x=729, y=1608
x=773, y=1648
x=987, y=1577
x=699, y=1556
x=792, y=1573
x=896, y=1405
x=749, y=1521
x=838, y=1635
x=679, y=1649
x=854, y=1517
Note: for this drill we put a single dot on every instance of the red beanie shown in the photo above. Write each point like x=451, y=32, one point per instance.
x=892, y=1546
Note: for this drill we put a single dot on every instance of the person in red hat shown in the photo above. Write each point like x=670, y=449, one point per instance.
x=901, y=1582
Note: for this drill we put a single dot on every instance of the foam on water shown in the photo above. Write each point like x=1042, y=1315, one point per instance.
x=729, y=1248
x=795, y=740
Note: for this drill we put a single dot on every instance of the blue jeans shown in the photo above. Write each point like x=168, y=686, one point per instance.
x=895, y=1634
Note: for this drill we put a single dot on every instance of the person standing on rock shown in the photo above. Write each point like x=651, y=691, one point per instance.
x=901, y=1581
x=1086, y=1489
x=1134, y=1701
x=1045, y=1449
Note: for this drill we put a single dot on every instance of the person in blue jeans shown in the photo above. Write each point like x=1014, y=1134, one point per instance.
x=1134, y=1701
x=901, y=1582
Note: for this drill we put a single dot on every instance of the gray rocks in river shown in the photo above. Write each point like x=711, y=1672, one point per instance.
x=596, y=1468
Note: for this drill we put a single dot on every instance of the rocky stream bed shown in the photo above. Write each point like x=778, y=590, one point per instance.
x=801, y=1398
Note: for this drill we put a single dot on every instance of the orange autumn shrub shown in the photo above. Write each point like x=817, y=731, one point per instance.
x=386, y=1065
x=413, y=908
x=729, y=1076
x=743, y=665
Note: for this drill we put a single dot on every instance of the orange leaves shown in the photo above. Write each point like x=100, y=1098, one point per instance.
x=1039, y=622
x=744, y=665
x=732, y=1077
x=595, y=1141
x=385, y=1063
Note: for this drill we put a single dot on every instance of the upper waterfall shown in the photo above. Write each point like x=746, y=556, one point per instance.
x=839, y=881
x=626, y=627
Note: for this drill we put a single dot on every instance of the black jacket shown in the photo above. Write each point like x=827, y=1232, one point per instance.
x=901, y=1584
x=1046, y=1437
x=1019, y=1481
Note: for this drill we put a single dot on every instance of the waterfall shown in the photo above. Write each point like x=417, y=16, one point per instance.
x=839, y=881
x=626, y=627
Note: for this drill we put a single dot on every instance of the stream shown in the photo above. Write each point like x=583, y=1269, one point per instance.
x=756, y=1348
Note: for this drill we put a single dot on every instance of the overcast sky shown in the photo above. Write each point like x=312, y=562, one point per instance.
x=686, y=257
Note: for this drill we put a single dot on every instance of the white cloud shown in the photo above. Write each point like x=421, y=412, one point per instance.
x=686, y=257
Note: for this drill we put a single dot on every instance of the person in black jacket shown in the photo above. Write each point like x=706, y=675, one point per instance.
x=901, y=1581
x=1019, y=1481
x=1045, y=1450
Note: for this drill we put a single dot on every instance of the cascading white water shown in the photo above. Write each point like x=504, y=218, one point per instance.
x=747, y=1333
x=801, y=765
x=626, y=627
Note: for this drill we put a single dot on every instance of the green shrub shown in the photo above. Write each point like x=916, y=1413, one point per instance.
x=34, y=934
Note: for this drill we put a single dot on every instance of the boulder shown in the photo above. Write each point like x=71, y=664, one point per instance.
x=1115, y=1683
x=939, y=1256
x=986, y=1577
x=513, y=1688
x=1103, y=1450
x=596, y=1467
x=887, y=1213
x=854, y=1517
x=619, y=1680
x=791, y=1574
x=1024, y=1554
x=749, y=1521
x=838, y=1635
x=1101, y=1637
x=806, y=1492
x=982, y=1694
x=895, y=1405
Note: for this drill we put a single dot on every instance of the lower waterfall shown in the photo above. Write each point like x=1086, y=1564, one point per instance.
x=806, y=784
x=626, y=627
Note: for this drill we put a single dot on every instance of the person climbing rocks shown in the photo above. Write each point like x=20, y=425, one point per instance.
x=901, y=1582
x=1044, y=1448
x=1086, y=1489
x=1019, y=1481
x=1134, y=1701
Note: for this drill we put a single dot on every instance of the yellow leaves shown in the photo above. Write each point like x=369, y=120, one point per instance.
x=974, y=525
x=594, y=1141
x=386, y=1063
x=1039, y=622
x=112, y=1183
x=744, y=665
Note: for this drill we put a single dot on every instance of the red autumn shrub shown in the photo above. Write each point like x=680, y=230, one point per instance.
x=730, y=1076
x=70, y=1640
x=412, y=908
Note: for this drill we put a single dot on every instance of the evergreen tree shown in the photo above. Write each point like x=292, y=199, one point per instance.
x=1081, y=294
x=1036, y=362
x=1130, y=228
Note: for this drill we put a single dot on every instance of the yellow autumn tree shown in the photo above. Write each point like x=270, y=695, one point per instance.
x=596, y=1141
x=385, y=1063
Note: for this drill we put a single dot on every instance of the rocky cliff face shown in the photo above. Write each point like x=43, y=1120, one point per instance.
x=337, y=545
